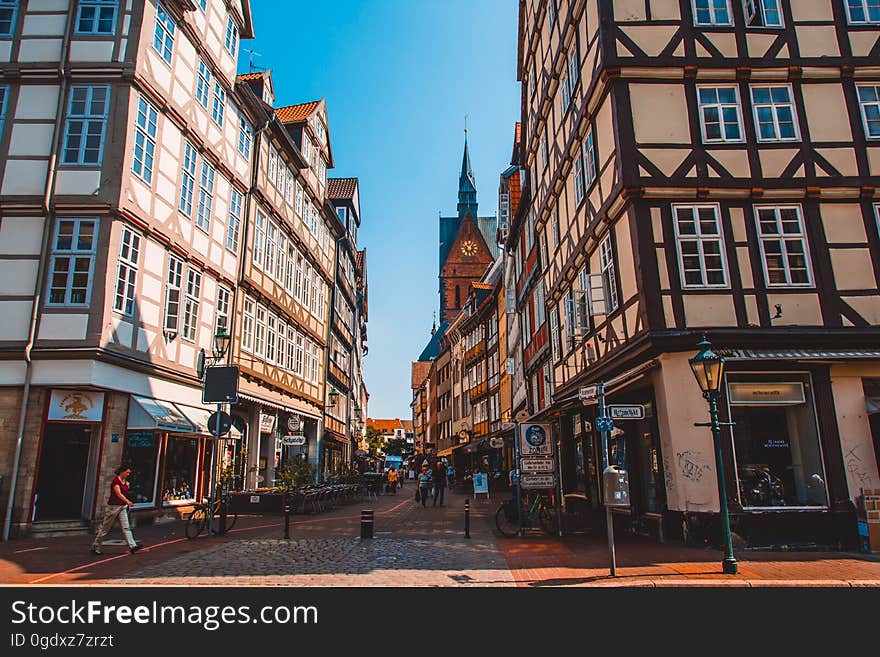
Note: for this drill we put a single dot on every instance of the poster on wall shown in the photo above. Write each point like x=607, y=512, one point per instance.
x=76, y=406
x=267, y=423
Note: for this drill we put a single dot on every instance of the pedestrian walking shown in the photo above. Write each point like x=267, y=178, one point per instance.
x=450, y=476
x=424, y=484
x=117, y=507
x=392, y=480
x=439, y=478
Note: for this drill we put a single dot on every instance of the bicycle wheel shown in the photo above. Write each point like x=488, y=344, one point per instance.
x=195, y=524
x=231, y=517
x=505, y=521
x=547, y=518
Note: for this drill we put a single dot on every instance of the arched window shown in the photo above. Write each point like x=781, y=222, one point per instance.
x=457, y=297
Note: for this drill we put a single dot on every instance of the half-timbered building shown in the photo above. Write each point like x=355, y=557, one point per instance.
x=708, y=166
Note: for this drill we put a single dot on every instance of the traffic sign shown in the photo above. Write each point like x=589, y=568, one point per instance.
x=221, y=385
x=604, y=424
x=588, y=393
x=299, y=439
x=532, y=481
x=626, y=411
x=536, y=465
x=535, y=439
x=225, y=422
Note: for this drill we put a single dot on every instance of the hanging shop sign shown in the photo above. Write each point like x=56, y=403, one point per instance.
x=292, y=440
x=76, y=406
x=626, y=411
x=267, y=423
x=535, y=439
x=758, y=394
x=537, y=464
x=533, y=481
x=294, y=423
x=496, y=441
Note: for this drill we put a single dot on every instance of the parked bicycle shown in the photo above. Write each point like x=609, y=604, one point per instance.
x=539, y=511
x=198, y=519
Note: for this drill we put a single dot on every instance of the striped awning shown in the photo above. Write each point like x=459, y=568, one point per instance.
x=800, y=354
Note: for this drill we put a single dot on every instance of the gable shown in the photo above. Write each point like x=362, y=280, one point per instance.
x=468, y=232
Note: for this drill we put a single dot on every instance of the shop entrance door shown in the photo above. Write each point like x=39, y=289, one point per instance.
x=61, y=478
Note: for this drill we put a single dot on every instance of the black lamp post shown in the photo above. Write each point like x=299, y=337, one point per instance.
x=708, y=368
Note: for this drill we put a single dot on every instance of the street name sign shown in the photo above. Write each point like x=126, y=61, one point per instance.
x=588, y=393
x=536, y=465
x=626, y=411
x=532, y=481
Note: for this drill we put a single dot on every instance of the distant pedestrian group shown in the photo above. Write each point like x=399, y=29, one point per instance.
x=432, y=482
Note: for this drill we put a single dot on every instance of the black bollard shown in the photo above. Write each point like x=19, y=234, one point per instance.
x=287, y=519
x=366, y=524
x=467, y=518
x=224, y=503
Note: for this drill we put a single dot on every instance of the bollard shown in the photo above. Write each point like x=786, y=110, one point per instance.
x=224, y=503
x=366, y=524
x=287, y=519
x=467, y=518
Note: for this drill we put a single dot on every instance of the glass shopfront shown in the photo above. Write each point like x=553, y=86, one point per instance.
x=778, y=457
x=181, y=463
x=164, y=463
x=141, y=453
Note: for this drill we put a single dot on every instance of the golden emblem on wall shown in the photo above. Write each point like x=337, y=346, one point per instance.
x=75, y=404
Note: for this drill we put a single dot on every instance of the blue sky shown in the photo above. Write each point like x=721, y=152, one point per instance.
x=399, y=76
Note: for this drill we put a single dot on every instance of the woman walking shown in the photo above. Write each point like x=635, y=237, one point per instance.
x=424, y=484
x=392, y=480
x=117, y=507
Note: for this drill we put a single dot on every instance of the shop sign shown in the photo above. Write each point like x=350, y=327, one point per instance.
x=626, y=411
x=535, y=439
x=756, y=394
x=496, y=442
x=76, y=406
x=294, y=423
x=299, y=439
x=533, y=481
x=535, y=465
x=267, y=423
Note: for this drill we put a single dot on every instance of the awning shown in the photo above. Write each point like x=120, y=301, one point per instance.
x=149, y=413
x=199, y=418
x=799, y=354
x=277, y=406
x=335, y=435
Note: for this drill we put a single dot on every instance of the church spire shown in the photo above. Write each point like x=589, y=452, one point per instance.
x=467, y=186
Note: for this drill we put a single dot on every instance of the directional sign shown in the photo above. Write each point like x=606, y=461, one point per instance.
x=588, y=393
x=626, y=411
x=531, y=481
x=604, y=424
x=535, y=465
x=293, y=440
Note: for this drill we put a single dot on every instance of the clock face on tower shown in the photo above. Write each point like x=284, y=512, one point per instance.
x=469, y=248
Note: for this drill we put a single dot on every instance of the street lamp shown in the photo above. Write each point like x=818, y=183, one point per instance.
x=708, y=369
x=221, y=344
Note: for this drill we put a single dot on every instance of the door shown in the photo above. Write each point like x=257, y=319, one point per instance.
x=64, y=458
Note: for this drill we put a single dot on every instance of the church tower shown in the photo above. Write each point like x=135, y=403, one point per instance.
x=467, y=244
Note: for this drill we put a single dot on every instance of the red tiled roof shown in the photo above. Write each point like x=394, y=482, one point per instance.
x=296, y=113
x=385, y=426
x=481, y=286
x=250, y=76
x=341, y=188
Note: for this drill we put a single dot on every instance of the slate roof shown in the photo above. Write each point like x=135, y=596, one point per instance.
x=432, y=349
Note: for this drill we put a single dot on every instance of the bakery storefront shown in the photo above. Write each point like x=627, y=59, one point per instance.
x=169, y=449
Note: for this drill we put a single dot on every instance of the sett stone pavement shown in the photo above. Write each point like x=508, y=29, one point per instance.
x=412, y=546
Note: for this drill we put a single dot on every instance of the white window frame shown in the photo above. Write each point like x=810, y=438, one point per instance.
x=144, y=154
x=713, y=11
x=231, y=41
x=8, y=14
x=865, y=6
x=757, y=9
x=218, y=104
x=720, y=107
x=206, y=196
x=247, y=325
x=4, y=103
x=88, y=121
x=259, y=247
x=203, y=84
x=588, y=152
x=173, y=294
x=187, y=179
x=163, y=34
x=233, y=226
x=192, y=300
x=782, y=238
x=774, y=108
x=221, y=310
x=609, y=274
x=125, y=292
x=863, y=104
x=260, y=332
x=700, y=239
x=98, y=7
x=245, y=137
x=73, y=255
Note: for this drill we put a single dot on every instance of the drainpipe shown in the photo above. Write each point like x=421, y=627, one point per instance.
x=49, y=213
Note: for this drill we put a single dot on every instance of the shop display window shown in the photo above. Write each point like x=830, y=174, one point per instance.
x=777, y=453
x=141, y=453
x=181, y=458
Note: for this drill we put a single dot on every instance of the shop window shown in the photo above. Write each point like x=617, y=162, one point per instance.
x=141, y=453
x=777, y=453
x=181, y=457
